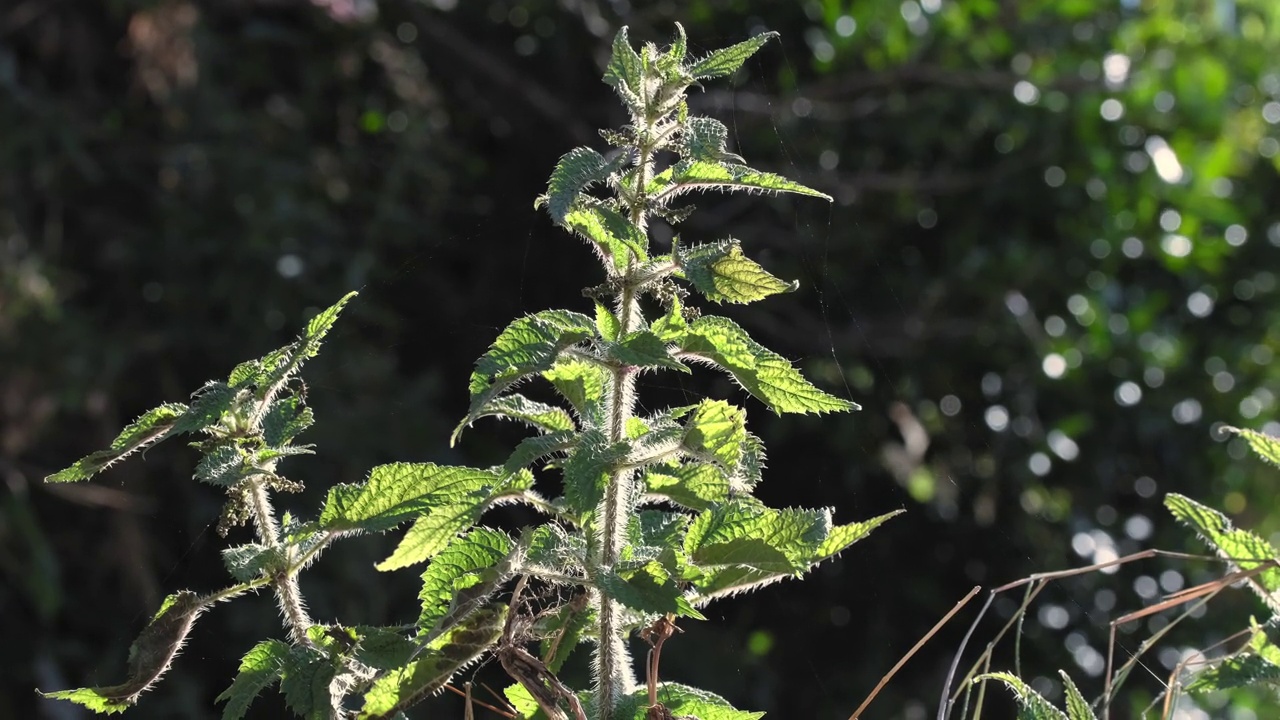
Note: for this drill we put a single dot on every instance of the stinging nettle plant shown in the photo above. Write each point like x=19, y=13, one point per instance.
x=656, y=518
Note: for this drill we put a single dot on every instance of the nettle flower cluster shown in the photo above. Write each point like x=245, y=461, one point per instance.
x=656, y=518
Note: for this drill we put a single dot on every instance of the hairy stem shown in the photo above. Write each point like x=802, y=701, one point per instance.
x=285, y=583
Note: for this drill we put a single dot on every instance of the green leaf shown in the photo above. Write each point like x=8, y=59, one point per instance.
x=723, y=274
x=285, y=420
x=704, y=139
x=461, y=577
x=576, y=170
x=208, y=406
x=615, y=237
x=643, y=349
x=727, y=61
x=521, y=700
x=562, y=630
x=543, y=417
x=320, y=326
x=1244, y=549
x=222, y=465
x=1077, y=707
x=586, y=472
x=679, y=47
x=729, y=580
x=403, y=687
x=581, y=383
x=768, y=376
x=249, y=561
x=696, y=486
x=683, y=700
x=399, y=492
x=625, y=65
x=687, y=176
x=1031, y=705
x=529, y=345
x=1265, y=446
x=383, y=648
x=717, y=431
x=607, y=323
x=152, y=426
x=751, y=535
x=648, y=590
x=259, y=669
x=842, y=536
x=1236, y=672
x=671, y=327
x=531, y=450
x=432, y=532
x=149, y=656
x=306, y=677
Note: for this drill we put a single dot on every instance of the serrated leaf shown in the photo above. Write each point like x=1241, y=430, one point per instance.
x=383, y=648
x=1077, y=707
x=531, y=450
x=1236, y=672
x=1031, y=704
x=1263, y=445
x=320, y=325
x=607, y=323
x=728, y=581
x=648, y=590
x=616, y=238
x=717, y=431
x=521, y=700
x=470, y=563
x=683, y=700
x=259, y=669
x=581, y=383
x=576, y=170
x=222, y=465
x=672, y=326
x=704, y=139
x=625, y=65
x=541, y=416
x=727, y=61
x=247, y=562
x=842, y=536
x=399, y=492
x=149, y=656
x=678, y=47
x=748, y=534
x=527, y=346
x=208, y=405
x=562, y=630
x=643, y=349
x=587, y=470
x=688, y=176
x=1243, y=548
x=723, y=274
x=305, y=678
x=285, y=420
x=696, y=486
x=403, y=687
x=768, y=376
x=152, y=426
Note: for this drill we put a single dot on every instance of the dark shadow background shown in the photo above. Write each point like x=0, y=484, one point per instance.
x=1048, y=273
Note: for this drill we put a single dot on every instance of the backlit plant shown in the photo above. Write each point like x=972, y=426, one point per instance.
x=655, y=518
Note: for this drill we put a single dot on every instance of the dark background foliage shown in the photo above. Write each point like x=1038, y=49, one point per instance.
x=1047, y=275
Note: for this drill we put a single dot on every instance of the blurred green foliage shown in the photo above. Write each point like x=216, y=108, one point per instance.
x=1048, y=274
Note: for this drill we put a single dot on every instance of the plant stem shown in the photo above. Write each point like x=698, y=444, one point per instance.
x=285, y=583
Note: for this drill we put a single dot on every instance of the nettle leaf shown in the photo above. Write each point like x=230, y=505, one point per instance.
x=581, y=383
x=152, y=426
x=717, y=431
x=541, y=416
x=625, y=65
x=688, y=176
x=222, y=465
x=671, y=327
x=648, y=590
x=1236, y=672
x=259, y=669
x=208, y=405
x=149, y=656
x=531, y=450
x=405, y=686
x=607, y=323
x=399, y=492
x=274, y=367
x=576, y=170
x=306, y=681
x=723, y=274
x=842, y=536
x=1031, y=704
x=562, y=630
x=470, y=563
x=768, y=376
x=383, y=648
x=748, y=534
x=285, y=420
x=320, y=326
x=696, y=486
x=682, y=700
x=727, y=61
x=586, y=472
x=1077, y=707
x=1265, y=446
x=1243, y=548
x=643, y=349
x=704, y=138
x=616, y=238
x=249, y=561
x=527, y=346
